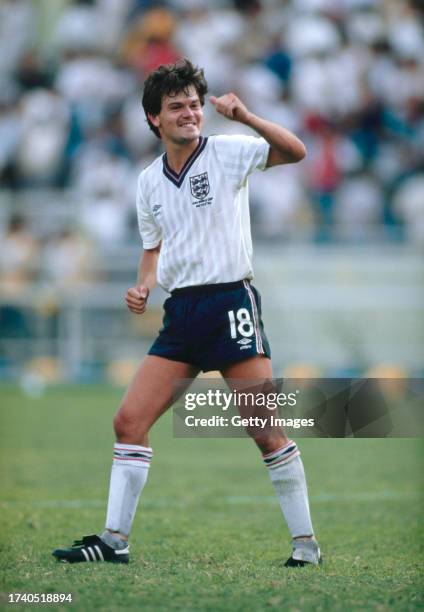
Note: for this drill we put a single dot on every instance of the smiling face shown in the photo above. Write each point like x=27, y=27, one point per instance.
x=180, y=119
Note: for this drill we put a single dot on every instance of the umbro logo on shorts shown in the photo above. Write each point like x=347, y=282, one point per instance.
x=245, y=343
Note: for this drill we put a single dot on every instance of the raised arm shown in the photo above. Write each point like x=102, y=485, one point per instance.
x=136, y=297
x=285, y=147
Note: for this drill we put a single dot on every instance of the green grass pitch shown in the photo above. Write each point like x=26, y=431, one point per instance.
x=209, y=534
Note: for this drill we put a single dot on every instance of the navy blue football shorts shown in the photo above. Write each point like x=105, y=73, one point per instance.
x=210, y=326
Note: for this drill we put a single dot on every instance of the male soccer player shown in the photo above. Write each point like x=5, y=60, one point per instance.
x=192, y=205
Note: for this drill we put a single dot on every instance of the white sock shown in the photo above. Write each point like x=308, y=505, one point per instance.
x=129, y=475
x=288, y=477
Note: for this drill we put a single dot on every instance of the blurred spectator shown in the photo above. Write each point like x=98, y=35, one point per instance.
x=324, y=172
x=103, y=181
x=18, y=256
x=409, y=207
x=69, y=260
x=312, y=35
x=358, y=207
x=223, y=30
x=79, y=27
x=139, y=138
x=91, y=84
x=282, y=208
x=149, y=42
x=405, y=31
x=112, y=15
x=17, y=32
x=10, y=126
x=31, y=73
x=87, y=25
x=43, y=136
x=18, y=264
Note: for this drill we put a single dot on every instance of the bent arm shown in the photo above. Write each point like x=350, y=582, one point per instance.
x=285, y=147
x=136, y=297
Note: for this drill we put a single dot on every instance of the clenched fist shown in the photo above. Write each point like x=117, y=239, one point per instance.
x=136, y=299
x=231, y=107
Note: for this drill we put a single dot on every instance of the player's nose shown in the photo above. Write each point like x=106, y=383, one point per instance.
x=188, y=112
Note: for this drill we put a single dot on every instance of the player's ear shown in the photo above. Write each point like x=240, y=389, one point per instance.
x=154, y=120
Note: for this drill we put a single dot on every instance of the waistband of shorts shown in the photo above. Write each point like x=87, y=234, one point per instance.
x=193, y=289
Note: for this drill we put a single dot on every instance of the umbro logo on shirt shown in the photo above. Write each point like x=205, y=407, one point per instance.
x=156, y=209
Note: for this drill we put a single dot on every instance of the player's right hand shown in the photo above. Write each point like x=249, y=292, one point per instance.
x=136, y=299
x=231, y=107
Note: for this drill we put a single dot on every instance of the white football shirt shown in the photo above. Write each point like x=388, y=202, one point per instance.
x=201, y=215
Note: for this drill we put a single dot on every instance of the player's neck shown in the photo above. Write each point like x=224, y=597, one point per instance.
x=178, y=154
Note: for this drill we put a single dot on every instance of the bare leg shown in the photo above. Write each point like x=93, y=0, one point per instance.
x=148, y=396
x=256, y=369
x=288, y=475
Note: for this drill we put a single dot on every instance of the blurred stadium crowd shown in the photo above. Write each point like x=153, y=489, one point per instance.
x=346, y=75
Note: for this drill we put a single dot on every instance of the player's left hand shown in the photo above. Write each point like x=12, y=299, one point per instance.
x=231, y=107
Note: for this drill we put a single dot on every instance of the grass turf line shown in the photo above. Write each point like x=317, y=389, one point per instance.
x=209, y=536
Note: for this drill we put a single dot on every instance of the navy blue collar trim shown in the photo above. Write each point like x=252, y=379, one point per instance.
x=178, y=179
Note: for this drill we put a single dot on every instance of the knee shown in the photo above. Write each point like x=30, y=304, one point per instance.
x=262, y=441
x=267, y=441
x=128, y=429
x=121, y=424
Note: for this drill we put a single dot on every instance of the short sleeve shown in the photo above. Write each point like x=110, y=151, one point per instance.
x=241, y=155
x=150, y=232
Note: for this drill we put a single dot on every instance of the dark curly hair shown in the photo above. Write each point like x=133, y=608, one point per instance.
x=171, y=79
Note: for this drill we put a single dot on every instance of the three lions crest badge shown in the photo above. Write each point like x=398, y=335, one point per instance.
x=199, y=185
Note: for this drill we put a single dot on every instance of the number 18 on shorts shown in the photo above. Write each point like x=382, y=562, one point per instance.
x=212, y=325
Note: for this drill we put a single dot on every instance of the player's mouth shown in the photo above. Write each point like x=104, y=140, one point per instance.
x=188, y=124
